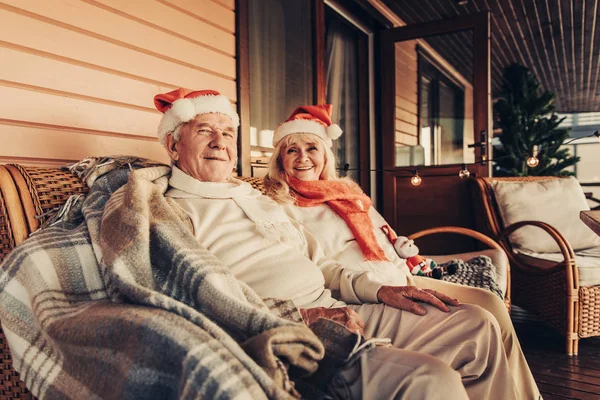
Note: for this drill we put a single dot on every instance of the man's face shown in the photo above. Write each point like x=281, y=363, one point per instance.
x=207, y=149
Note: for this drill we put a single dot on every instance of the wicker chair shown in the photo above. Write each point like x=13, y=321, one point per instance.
x=547, y=288
x=28, y=195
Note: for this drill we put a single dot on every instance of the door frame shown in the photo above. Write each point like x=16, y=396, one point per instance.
x=479, y=23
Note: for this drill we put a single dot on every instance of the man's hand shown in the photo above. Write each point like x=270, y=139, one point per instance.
x=406, y=298
x=342, y=315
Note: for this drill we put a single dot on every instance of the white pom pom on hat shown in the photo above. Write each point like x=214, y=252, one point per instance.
x=309, y=119
x=181, y=106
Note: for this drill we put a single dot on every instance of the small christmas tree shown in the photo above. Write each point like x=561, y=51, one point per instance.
x=526, y=116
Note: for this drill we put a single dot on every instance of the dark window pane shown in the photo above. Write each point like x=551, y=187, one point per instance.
x=281, y=75
x=341, y=59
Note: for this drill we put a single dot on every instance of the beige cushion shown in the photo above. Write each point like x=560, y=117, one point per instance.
x=556, y=201
x=587, y=261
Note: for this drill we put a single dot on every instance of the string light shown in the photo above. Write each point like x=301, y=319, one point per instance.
x=415, y=180
x=533, y=161
x=464, y=172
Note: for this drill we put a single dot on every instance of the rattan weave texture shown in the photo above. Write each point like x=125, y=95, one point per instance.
x=257, y=183
x=589, y=311
x=50, y=187
x=7, y=241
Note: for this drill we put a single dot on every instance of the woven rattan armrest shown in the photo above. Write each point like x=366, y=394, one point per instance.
x=563, y=244
x=475, y=235
x=14, y=222
x=459, y=231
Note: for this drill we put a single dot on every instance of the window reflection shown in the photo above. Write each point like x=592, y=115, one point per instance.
x=434, y=104
x=281, y=75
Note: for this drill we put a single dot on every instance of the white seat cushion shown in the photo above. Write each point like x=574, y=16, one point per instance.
x=588, y=262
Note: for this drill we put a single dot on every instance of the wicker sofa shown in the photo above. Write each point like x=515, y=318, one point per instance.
x=29, y=195
x=548, y=285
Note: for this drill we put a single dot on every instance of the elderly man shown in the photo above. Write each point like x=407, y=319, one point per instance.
x=434, y=356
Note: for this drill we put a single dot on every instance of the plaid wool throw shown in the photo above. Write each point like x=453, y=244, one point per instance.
x=118, y=301
x=477, y=272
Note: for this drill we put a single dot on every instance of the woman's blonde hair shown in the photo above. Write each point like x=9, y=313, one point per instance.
x=276, y=180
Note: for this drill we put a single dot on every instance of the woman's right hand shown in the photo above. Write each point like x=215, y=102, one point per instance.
x=408, y=297
x=342, y=315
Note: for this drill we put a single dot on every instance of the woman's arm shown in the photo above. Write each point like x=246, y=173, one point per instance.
x=350, y=286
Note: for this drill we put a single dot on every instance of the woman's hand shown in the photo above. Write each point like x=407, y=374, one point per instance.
x=406, y=298
x=342, y=315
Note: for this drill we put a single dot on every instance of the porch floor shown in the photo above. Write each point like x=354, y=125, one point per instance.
x=558, y=376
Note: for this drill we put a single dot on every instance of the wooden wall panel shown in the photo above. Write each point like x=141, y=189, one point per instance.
x=78, y=77
x=104, y=24
x=210, y=12
x=36, y=107
x=35, y=70
x=48, y=38
x=229, y=4
x=73, y=145
x=174, y=21
x=444, y=196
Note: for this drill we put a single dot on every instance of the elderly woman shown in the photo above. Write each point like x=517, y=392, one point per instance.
x=302, y=176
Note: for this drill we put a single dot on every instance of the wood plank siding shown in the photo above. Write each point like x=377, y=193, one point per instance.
x=78, y=77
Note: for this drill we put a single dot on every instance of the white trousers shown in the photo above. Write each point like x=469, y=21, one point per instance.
x=524, y=382
x=390, y=373
x=437, y=356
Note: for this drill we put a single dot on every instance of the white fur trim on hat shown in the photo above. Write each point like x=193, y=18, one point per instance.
x=334, y=131
x=307, y=126
x=184, y=110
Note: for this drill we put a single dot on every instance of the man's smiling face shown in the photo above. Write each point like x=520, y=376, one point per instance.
x=207, y=148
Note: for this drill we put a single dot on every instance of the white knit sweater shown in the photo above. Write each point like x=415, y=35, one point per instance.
x=275, y=269
x=353, y=273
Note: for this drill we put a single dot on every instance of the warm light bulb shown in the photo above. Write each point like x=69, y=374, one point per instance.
x=464, y=172
x=532, y=162
x=415, y=180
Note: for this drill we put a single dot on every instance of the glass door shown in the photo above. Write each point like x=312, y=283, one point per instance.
x=435, y=119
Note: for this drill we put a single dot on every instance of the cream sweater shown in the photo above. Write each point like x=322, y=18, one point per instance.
x=353, y=273
x=276, y=269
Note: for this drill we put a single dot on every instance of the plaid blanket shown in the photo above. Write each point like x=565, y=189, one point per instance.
x=477, y=272
x=117, y=300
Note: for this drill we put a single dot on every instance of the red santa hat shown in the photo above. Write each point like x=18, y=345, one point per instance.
x=309, y=119
x=181, y=106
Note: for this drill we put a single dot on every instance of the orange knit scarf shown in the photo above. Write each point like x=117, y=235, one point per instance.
x=348, y=203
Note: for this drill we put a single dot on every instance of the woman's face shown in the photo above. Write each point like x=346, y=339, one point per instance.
x=304, y=159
